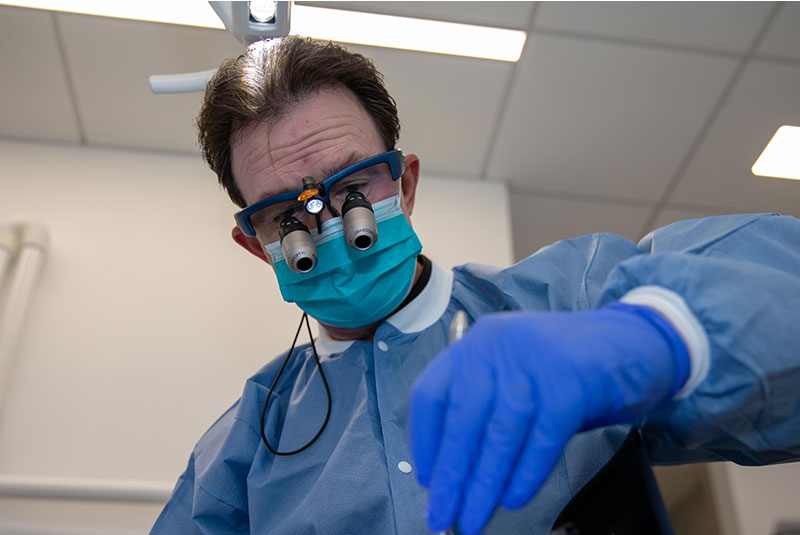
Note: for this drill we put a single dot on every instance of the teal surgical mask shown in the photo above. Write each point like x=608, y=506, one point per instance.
x=348, y=287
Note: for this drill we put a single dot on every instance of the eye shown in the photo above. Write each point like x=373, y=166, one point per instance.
x=355, y=186
x=288, y=212
x=351, y=185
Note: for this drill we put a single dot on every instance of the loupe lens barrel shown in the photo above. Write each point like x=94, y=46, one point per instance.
x=360, y=228
x=297, y=246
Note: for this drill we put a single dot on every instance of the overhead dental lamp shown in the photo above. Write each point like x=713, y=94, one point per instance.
x=248, y=22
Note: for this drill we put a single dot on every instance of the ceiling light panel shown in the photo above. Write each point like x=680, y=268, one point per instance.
x=167, y=11
x=781, y=157
x=323, y=23
x=408, y=33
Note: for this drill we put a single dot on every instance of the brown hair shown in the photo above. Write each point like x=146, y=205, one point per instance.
x=268, y=79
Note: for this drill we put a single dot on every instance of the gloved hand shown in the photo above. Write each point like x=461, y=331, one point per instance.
x=490, y=416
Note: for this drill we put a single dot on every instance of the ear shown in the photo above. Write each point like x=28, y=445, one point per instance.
x=250, y=243
x=409, y=183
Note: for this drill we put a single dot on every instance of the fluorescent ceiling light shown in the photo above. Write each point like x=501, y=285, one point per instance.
x=407, y=33
x=321, y=23
x=781, y=157
x=168, y=11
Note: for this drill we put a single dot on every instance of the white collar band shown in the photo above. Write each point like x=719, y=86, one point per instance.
x=428, y=306
x=328, y=346
x=422, y=312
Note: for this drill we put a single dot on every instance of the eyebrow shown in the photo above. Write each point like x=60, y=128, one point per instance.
x=351, y=159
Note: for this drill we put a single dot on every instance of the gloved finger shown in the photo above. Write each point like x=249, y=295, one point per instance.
x=546, y=442
x=503, y=441
x=469, y=400
x=426, y=415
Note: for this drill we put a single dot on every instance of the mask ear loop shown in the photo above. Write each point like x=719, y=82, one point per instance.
x=324, y=382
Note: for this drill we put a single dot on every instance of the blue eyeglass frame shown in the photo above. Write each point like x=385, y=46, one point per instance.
x=394, y=158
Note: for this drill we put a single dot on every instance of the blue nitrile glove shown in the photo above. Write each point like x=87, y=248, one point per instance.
x=490, y=416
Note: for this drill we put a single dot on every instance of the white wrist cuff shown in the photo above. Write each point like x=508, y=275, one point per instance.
x=674, y=309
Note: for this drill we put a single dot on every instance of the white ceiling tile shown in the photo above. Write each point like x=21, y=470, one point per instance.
x=722, y=26
x=783, y=37
x=35, y=101
x=111, y=60
x=766, y=97
x=603, y=119
x=538, y=220
x=447, y=105
x=500, y=14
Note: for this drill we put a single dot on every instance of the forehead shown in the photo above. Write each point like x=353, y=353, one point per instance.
x=322, y=132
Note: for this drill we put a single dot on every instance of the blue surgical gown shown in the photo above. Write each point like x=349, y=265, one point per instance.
x=739, y=275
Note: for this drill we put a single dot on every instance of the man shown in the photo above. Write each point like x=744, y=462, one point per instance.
x=687, y=337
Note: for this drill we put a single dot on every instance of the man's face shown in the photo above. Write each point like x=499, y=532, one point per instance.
x=320, y=136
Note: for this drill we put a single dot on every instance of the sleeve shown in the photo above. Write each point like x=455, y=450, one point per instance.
x=739, y=276
x=210, y=496
x=567, y=275
x=176, y=517
x=191, y=510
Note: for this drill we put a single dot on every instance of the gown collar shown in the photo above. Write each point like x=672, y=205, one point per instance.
x=428, y=306
x=419, y=314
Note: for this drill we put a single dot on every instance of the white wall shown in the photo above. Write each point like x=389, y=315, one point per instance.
x=149, y=318
x=755, y=499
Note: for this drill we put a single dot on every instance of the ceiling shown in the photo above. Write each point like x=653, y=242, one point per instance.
x=618, y=117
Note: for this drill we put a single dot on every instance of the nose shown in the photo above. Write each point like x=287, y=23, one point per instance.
x=325, y=215
x=316, y=221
